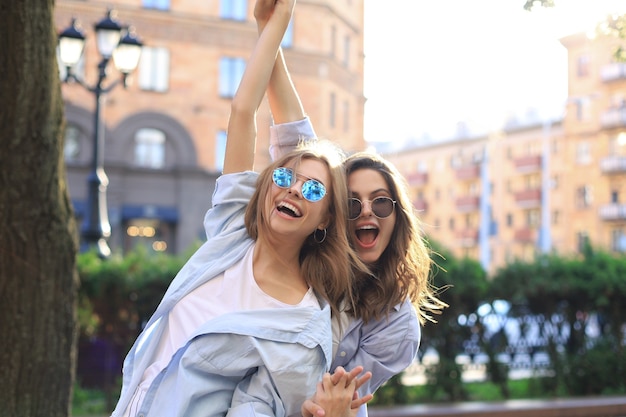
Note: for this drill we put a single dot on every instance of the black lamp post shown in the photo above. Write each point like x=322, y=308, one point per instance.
x=122, y=45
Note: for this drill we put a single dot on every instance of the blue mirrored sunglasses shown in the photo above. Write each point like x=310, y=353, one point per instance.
x=312, y=190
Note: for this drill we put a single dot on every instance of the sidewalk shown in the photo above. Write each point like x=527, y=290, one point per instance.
x=568, y=407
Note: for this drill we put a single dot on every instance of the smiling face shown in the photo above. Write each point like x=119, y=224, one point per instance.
x=371, y=234
x=290, y=214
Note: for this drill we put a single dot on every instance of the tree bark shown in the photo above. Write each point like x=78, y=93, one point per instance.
x=38, y=239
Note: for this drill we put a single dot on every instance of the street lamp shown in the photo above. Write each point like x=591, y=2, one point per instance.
x=121, y=44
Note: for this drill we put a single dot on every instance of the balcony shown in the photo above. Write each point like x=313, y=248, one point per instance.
x=613, y=72
x=614, y=211
x=468, y=172
x=420, y=205
x=525, y=235
x=467, y=238
x=613, y=164
x=417, y=179
x=613, y=118
x=467, y=203
x=528, y=198
x=529, y=163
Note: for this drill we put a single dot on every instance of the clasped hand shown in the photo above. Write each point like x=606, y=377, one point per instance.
x=336, y=395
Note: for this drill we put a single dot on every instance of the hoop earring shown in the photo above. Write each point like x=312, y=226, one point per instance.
x=318, y=240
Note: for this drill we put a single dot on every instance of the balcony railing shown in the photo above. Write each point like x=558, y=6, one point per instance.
x=613, y=118
x=417, y=179
x=614, y=211
x=468, y=203
x=468, y=172
x=529, y=163
x=613, y=72
x=420, y=205
x=528, y=198
x=526, y=235
x=467, y=237
x=613, y=164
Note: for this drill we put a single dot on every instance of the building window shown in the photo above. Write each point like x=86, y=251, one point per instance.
x=332, y=106
x=582, y=241
x=532, y=218
x=556, y=217
x=583, y=153
x=231, y=71
x=287, y=41
x=150, y=148
x=154, y=69
x=582, y=66
x=156, y=4
x=618, y=240
x=346, y=116
x=220, y=150
x=346, y=51
x=583, y=197
x=451, y=223
x=509, y=220
x=614, y=197
x=234, y=9
x=333, y=40
x=72, y=148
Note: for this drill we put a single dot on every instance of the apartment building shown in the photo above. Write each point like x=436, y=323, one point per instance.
x=165, y=133
x=542, y=187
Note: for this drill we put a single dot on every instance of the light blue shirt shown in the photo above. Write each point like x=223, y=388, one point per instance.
x=384, y=347
x=254, y=363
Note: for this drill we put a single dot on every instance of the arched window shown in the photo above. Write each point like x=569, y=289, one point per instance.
x=150, y=148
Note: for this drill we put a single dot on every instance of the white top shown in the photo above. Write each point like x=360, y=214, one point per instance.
x=234, y=290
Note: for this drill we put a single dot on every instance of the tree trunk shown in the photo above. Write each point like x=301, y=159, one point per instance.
x=38, y=244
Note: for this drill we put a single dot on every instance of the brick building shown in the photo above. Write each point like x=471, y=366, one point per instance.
x=165, y=133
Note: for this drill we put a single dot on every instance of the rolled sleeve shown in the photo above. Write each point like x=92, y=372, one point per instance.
x=285, y=137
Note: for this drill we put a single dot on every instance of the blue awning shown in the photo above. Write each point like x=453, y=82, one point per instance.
x=149, y=211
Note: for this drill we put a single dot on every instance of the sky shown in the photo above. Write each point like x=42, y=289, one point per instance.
x=431, y=64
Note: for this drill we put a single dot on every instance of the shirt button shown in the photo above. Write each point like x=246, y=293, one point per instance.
x=343, y=354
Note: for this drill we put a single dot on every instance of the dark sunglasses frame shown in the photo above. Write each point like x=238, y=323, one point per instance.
x=312, y=189
x=375, y=210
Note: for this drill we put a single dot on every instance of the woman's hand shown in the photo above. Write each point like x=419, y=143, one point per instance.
x=337, y=395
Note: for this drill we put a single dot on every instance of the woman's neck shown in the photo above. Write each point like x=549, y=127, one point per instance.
x=277, y=273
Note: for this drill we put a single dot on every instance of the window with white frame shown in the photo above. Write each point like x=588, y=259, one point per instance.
x=154, y=69
x=583, y=153
x=618, y=240
x=220, y=150
x=583, y=197
x=346, y=51
x=234, y=9
x=150, y=148
x=231, y=71
x=156, y=4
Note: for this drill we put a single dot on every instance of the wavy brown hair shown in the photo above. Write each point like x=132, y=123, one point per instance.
x=328, y=267
x=403, y=269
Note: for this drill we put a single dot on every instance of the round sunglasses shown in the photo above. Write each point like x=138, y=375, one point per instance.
x=381, y=207
x=312, y=189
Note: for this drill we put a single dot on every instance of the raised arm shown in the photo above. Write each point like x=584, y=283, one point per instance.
x=241, y=134
x=281, y=93
x=290, y=121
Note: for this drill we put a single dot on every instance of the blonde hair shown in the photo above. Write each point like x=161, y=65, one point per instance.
x=403, y=269
x=328, y=267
